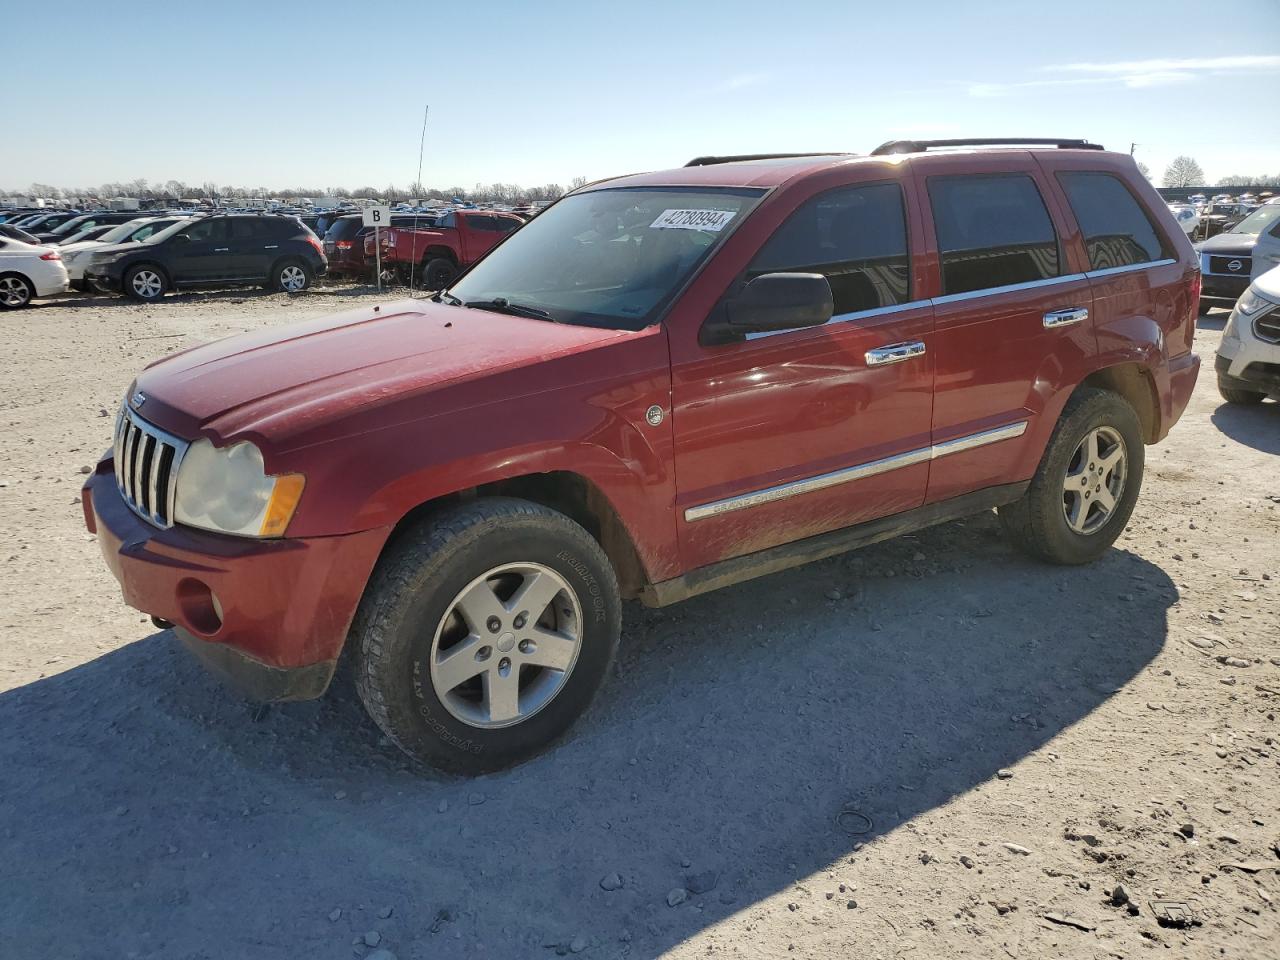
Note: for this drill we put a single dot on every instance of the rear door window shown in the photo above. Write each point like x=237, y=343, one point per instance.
x=1117, y=231
x=993, y=231
x=855, y=237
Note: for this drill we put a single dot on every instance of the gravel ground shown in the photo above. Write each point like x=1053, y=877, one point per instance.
x=932, y=747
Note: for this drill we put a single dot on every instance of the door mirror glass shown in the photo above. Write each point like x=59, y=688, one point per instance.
x=181, y=238
x=773, y=301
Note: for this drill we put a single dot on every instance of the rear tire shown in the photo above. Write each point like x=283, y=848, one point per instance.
x=438, y=273
x=291, y=276
x=452, y=589
x=16, y=291
x=145, y=283
x=1086, y=485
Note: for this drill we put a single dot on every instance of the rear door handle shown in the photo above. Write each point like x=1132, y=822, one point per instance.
x=221, y=249
x=1065, y=318
x=271, y=246
x=894, y=353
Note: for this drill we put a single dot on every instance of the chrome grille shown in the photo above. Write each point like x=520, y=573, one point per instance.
x=1267, y=326
x=146, y=462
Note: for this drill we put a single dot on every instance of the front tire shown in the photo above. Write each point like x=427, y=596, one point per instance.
x=485, y=634
x=16, y=292
x=145, y=283
x=1234, y=394
x=1087, y=483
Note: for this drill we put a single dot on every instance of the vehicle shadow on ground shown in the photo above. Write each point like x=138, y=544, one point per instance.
x=148, y=812
x=1254, y=426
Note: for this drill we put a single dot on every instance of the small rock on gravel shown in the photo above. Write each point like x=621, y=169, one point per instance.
x=677, y=896
x=476, y=799
x=577, y=944
x=384, y=913
x=702, y=882
x=1004, y=773
x=1120, y=895
x=1017, y=848
x=372, y=938
x=611, y=882
x=335, y=915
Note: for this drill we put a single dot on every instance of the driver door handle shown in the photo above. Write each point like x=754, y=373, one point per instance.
x=221, y=249
x=894, y=353
x=1065, y=318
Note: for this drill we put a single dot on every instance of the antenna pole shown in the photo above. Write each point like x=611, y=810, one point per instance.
x=413, y=247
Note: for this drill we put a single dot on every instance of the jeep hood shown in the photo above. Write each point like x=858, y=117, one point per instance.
x=277, y=382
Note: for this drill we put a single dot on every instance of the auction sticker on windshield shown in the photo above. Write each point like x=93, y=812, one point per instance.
x=713, y=220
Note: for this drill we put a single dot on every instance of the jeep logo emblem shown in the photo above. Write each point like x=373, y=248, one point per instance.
x=140, y=398
x=1234, y=266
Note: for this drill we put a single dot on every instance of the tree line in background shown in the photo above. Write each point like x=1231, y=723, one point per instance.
x=176, y=189
x=1186, y=172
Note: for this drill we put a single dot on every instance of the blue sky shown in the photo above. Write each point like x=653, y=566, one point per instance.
x=278, y=94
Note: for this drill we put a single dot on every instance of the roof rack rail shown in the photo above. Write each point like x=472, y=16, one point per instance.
x=920, y=146
x=712, y=161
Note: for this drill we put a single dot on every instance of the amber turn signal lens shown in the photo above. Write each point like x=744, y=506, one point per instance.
x=284, y=500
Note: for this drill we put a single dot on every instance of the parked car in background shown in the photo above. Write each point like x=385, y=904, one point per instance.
x=13, y=214
x=432, y=256
x=1220, y=216
x=664, y=384
x=17, y=233
x=90, y=233
x=1231, y=260
x=28, y=271
x=84, y=221
x=345, y=247
x=1248, y=359
x=216, y=250
x=77, y=255
x=44, y=222
x=1187, y=217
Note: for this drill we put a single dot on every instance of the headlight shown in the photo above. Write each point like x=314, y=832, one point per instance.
x=1250, y=303
x=227, y=490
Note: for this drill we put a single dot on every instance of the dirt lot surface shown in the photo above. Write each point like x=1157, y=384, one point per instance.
x=931, y=748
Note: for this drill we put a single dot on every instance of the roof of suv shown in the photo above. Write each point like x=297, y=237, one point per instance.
x=771, y=170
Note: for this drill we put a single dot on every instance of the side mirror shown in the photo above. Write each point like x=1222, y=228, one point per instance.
x=772, y=301
x=181, y=238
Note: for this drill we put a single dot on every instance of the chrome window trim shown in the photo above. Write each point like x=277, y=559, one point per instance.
x=847, y=317
x=870, y=469
x=1109, y=271
x=1008, y=288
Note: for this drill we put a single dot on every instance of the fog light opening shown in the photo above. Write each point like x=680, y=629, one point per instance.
x=201, y=609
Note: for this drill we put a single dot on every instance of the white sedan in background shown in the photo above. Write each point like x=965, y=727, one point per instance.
x=28, y=271
x=1187, y=215
x=76, y=255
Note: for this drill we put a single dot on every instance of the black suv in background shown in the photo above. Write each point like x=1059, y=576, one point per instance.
x=218, y=250
x=87, y=220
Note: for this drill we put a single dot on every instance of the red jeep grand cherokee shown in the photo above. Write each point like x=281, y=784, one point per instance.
x=664, y=384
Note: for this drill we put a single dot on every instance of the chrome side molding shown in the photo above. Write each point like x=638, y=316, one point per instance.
x=860, y=471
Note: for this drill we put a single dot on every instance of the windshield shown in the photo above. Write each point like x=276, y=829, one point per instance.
x=167, y=232
x=1259, y=221
x=121, y=232
x=608, y=258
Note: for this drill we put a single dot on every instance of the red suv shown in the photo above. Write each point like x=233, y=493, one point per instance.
x=664, y=384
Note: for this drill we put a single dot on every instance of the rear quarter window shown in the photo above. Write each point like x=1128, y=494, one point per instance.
x=1117, y=230
x=993, y=231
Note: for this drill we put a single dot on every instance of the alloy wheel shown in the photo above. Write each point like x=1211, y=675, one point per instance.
x=1095, y=480
x=14, y=292
x=147, y=284
x=293, y=278
x=506, y=645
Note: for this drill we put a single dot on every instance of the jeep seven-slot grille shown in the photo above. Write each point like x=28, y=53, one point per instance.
x=146, y=461
x=1267, y=326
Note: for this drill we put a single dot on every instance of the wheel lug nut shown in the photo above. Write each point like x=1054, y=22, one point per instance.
x=520, y=621
x=526, y=646
x=494, y=624
x=483, y=653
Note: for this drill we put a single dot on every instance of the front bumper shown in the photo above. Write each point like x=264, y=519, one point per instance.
x=270, y=615
x=1222, y=289
x=101, y=282
x=1259, y=375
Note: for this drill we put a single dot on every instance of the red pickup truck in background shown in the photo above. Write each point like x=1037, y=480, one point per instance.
x=432, y=257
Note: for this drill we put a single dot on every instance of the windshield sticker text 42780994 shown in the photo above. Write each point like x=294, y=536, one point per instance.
x=712, y=220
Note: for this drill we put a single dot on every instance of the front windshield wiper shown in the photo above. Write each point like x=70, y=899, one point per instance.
x=503, y=305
